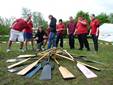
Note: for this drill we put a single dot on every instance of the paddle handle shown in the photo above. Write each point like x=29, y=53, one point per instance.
x=18, y=63
x=56, y=61
x=43, y=56
x=64, y=57
x=69, y=54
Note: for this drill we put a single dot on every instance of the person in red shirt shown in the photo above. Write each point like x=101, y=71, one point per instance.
x=28, y=36
x=60, y=29
x=94, y=31
x=82, y=31
x=70, y=31
x=16, y=33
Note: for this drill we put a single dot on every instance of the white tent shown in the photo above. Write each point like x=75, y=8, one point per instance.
x=106, y=32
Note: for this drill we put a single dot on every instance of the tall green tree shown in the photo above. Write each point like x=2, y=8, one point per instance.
x=83, y=14
x=104, y=18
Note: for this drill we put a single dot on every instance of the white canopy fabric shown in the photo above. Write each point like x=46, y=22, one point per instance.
x=106, y=32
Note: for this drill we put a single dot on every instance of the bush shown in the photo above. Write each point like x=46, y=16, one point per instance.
x=4, y=30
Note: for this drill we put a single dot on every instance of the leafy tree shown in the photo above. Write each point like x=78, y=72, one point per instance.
x=111, y=18
x=37, y=17
x=83, y=14
x=104, y=18
x=25, y=12
x=5, y=25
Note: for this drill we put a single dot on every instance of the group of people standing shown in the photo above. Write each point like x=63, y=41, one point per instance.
x=55, y=33
x=79, y=29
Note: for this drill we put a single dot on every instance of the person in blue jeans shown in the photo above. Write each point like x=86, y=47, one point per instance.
x=52, y=35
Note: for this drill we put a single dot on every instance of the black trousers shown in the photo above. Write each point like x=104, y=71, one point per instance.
x=95, y=41
x=59, y=38
x=83, y=41
x=71, y=41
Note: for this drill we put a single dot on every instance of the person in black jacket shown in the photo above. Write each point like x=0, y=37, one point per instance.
x=52, y=35
x=41, y=38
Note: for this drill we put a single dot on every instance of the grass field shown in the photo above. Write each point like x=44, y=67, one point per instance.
x=105, y=76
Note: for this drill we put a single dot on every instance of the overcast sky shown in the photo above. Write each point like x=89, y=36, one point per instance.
x=58, y=8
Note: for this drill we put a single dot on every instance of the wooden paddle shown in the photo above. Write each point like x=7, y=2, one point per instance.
x=66, y=74
x=13, y=60
x=46, y=72
x=16, y=69
x=79, y=62
x=29, y=67
x=87, y=72
x=18, y=63
x=34, y=71
x=25, y=56
x=84, y=58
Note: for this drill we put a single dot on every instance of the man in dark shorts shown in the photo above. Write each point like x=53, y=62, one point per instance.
x=28, y=36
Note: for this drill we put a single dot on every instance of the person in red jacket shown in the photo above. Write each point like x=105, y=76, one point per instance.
x=60, y=29
x=94, y=31
x=16, y=33
x=82, y=31
x=28, y=36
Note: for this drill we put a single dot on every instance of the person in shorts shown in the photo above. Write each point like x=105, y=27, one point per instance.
x=28, y=36
x=16, y=33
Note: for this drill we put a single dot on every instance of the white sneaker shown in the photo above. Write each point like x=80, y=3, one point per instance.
x=8, y=50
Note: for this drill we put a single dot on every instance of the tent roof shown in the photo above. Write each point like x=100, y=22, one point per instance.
x=106, y=32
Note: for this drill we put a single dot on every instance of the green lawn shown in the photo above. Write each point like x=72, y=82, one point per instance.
x=105, y=76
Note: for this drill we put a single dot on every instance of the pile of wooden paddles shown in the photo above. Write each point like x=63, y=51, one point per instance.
x=29, y=65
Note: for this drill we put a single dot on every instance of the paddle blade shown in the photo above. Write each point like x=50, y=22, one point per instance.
x=89, y=66
x=27, y=69
x=65, y=73
x=16, y=69
x=46, y=72
x=34, y=71
x=88, y=73
x=13, y=60
x=25, y=56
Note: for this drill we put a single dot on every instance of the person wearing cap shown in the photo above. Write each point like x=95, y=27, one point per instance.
x=82, y=31
x=28, y=36
x=60, y=30
x=94, y=31
x=16, y=33
x=70, y=32
x=52, y=35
